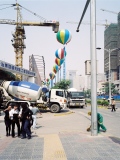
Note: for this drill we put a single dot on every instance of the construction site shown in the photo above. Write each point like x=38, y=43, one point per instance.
x=36, y=62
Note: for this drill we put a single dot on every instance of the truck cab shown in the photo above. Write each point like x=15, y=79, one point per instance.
x=76, y=98
x=57, y=100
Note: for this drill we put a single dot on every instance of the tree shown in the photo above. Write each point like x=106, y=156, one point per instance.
x=64, y=84
x=113, y=90
x=87, y=93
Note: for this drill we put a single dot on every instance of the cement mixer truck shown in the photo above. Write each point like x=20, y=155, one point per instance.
x=23, y=91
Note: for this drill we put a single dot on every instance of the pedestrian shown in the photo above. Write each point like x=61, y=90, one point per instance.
x=1, y=101
x=35, y=110
x=7, y=120
x=14, y=116
x=26, y=117
x=99, y=122
x=113, y=105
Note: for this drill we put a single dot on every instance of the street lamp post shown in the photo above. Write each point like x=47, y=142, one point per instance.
x=109, y=52
x=109, y=77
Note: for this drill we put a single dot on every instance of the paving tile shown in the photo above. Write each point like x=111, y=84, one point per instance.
x=4, y=157
x=37, y=156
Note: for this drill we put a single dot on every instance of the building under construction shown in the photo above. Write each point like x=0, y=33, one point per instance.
x=112, y=41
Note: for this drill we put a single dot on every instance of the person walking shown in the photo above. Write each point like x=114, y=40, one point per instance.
x=14, y=116
x=113, y=105
x=35, y=110
x=1, y=101
x=99, y=123
x=26, y=117
x=7, y=120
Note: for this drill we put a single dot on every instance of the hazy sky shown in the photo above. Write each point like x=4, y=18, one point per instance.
x=42, y=40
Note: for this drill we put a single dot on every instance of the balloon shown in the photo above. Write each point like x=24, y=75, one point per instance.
x=59, y=61
x=60, y=53
x=47, y=79
x=44, y=83
x=54, y=70
x=63, y=36
x=52, y=76
x=69, y=39
x=48, y=83
x=44, y=89
x=56, y=67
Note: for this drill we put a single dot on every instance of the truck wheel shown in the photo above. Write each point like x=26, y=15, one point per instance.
x=55, y=108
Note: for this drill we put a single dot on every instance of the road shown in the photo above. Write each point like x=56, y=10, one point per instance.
x=118, y=104
x=76, y=119
x=111, y=119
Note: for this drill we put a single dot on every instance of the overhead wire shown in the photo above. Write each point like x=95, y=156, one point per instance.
x=4, y=4
x=6, y=7
x=33, y=13
x=12, y=5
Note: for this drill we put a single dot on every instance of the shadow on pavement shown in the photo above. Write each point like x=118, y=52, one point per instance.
x=76, y=107
x=64, y=111
x=35, y=135
x=115, y=139
x=39, y=127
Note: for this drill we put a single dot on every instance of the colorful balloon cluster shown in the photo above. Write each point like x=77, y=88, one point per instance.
x=64, y=37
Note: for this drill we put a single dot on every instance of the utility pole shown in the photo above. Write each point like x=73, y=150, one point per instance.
x=93, y=68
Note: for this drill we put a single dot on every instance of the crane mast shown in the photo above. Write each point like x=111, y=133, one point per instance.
x=18, y=41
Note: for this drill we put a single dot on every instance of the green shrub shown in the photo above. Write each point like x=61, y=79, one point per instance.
x=99, y=102
x=88, y=101
x=105, y=103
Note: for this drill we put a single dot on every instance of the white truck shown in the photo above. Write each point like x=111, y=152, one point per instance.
x=75, y=98
x=23, y=91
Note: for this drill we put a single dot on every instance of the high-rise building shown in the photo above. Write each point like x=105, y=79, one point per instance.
x=77, y=81
x=100, y=80
x=112, y=41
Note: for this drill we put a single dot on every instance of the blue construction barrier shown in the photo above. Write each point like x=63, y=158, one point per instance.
x=117, y=97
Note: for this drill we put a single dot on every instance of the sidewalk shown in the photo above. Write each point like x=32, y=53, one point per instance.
x=66, y=145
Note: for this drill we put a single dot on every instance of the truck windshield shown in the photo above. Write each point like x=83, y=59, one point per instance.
x=77, y=94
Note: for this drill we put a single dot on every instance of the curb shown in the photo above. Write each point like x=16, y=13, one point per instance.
x=62, y=114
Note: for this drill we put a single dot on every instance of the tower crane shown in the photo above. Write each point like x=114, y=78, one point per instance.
x=109, y=11
x=19, y=34
x=87, y=23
